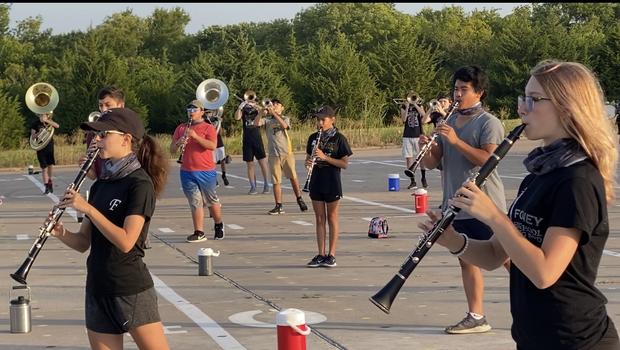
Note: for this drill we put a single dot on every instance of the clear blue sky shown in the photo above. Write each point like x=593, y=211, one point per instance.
x=63, y=17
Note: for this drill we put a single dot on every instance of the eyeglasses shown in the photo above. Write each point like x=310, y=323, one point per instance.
x=529, y=101
x=102, y=134
x=193, y=109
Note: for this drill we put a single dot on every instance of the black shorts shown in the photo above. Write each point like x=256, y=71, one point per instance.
x=118, y=315
x=253, y=148
x=46, y=156
x=220, y=141
x=473, y=228
x=323, y=197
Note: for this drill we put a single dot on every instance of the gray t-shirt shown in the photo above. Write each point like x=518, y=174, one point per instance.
x=278, y=142
x=481, y=130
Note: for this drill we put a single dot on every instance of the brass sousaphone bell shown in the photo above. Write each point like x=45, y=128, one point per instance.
x=42, y=98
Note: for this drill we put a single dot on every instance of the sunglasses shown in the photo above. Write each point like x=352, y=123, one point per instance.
x=102, y=134
x=193, y=109
x=529, y=101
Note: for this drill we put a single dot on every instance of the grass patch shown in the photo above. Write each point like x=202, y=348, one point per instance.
x=69, y=148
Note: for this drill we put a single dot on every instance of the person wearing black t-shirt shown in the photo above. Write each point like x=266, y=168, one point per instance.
x=252, y=144
x=556, y=229
x=437, y=114
x=414, y=117
x=45, y=155
x=331, y=155
x=120, y=296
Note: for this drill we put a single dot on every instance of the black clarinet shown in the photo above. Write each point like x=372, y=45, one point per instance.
x=418, y=159
x=316, y=145
x=384, y=298
x=47, y=227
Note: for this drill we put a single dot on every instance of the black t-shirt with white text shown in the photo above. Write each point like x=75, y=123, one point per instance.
x=250, y=132
x=413, y=124
x=325, y=177
x=110, y=271
x=571, y=313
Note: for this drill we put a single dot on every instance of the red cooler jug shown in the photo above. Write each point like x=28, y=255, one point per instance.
x=420, y=198
x=292, y=329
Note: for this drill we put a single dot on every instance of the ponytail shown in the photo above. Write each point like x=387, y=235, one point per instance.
x=154, y=162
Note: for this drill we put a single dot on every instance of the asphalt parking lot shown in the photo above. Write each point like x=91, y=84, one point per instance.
x=261, y=268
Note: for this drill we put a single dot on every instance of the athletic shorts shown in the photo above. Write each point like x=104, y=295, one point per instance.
x=199, y=188
x=219, y=154
x=118, y=315
x=411, y=148
x=253, y=148
x=282, y=164
x=473, y=228
x=322, y=197
x=46, y=157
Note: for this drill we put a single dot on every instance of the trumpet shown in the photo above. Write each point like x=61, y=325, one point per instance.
x=45, y=230
x=249, y=97
x=313, y=155
x=385, y=297
x=432, y=104
x=411, y=98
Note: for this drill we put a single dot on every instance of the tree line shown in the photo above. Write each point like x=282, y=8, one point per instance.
x=356, y=57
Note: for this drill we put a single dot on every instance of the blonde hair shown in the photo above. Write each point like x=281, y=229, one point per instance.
x=577, y=96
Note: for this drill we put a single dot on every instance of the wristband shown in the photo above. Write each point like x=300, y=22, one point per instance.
x=463, y=248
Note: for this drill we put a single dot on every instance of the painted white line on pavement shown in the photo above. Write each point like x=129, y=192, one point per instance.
x=387, y=206
x=611, y=253
x=302, y=223
x=52, y=196
x=234, y=227
x=208, y=325
x=165, y=230
x=367, y=219
x=22, y=237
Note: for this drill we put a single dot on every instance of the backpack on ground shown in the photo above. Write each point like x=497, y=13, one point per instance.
x=378, y=227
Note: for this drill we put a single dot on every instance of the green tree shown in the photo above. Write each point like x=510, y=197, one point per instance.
x=81, y=72
x=364, y=24
x=165, y=30
x=124, y=33
x=335, y=74
x=12, y=128
x=156, y=83
x=403, y=64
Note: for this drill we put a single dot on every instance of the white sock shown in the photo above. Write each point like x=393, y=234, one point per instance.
x=476, y=316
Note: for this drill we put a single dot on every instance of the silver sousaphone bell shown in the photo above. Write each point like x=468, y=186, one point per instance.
x=42, y=98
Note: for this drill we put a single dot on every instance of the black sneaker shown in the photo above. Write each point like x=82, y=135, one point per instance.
x=226, y=183
x=277, y=210
x=424, y=183
x=412, y=185
x=219, y=231
x=228, y=159
x=316, y=261
x=329, y=261
x=197, y=236
x=302, y=204
x=469, y=325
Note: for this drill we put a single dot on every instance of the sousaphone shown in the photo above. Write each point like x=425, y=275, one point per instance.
x=42, y=98
x=213, y=93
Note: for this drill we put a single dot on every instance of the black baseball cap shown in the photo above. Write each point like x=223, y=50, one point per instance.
x=121, y=119
x=325, y=111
